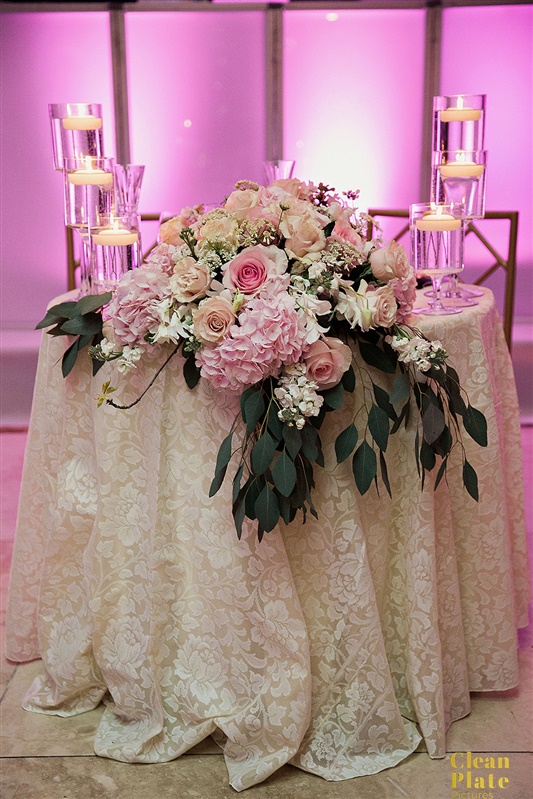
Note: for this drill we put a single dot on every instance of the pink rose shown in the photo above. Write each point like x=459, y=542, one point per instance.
x=326, y=360
x=190, y=279
x=343, y=230
x=389, y=262
x=241, y=201
x=213, y=319
x=303, y=233
x=169, y=231
x=292, y=186
x=249, y=270
x=384, y=306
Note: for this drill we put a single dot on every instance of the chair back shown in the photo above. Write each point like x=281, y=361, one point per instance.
x=506, y=262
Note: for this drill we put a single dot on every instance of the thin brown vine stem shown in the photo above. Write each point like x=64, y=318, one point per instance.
x=148, y=387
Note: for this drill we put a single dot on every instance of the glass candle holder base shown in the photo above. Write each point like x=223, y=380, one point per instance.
x=278, y=170
x=115, y=250
x=437, y=310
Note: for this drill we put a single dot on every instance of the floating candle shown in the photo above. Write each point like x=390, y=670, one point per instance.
x=82, y=123
x=90, y=177
x=460, y=115
x=115, y=237
x=438, y=222
x=461, y=169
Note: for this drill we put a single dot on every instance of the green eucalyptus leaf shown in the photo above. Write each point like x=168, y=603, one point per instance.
x=237, y=484
x=345, y=443
x=403, y=413
x=293, y=439
x=433, y=423
x=440, y=473
x=224, y=454
x=217, y=481
x=470, y=480
x=254, y=409
x=266, y=509
x=384, y=473
x=244, y=398
x=239, y=514
x=417, y=451
x=401, y=390
x=284, y=474
x=262, y=453
x=383, y=400
x=57, y=313
x=333, y=397
x=92, y=302
x=378, y=423
x=310, y=442
x=89, y=324
x=69, y=358
x=364, y=467
x=191, y=373
x=427, y=456
x=253, y=489
x=475, y=425
x=348, y=379
x=374, y=356
x=274, y=423
x=285, y=509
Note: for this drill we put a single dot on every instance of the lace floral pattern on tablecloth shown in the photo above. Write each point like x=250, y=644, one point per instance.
x=333, y=645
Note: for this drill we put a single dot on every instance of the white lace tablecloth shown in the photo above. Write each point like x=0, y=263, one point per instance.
x=334, y=645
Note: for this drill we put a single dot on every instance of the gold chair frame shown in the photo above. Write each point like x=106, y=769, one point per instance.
x=508, y=264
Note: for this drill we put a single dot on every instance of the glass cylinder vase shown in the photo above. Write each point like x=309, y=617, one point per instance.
x=115, y=250
x=77, y=131
x=278, y=169
x=459, y=177
x=437, y=242
x=89, y=191
x=459, y=122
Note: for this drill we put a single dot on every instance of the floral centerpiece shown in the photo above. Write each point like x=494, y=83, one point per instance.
x=274, y=295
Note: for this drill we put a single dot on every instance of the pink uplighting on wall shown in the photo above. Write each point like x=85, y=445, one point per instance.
x=197, y=104
x=46, y=58
x=353, y=101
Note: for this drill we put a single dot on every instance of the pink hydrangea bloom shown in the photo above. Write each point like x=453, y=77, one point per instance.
x=405, y=293
x=161, y=258
x=133, y=309
x=270, y=334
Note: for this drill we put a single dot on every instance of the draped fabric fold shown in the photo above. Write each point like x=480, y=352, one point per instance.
x=335, y=645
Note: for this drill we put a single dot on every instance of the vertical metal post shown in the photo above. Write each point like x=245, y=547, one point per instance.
x=274, y=82
x=432, y=55
x=120, y=84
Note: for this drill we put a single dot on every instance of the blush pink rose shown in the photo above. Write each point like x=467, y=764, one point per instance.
x=389, y=262
x=384, y=306
x=169, y=231
x=213, y=319
x=326, y=360
x=241, y=202
x=250, y=270
x=190, y=280
x=343, y=230
x=303, y=234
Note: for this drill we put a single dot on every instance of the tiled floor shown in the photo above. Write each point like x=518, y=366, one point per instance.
x=46, y=757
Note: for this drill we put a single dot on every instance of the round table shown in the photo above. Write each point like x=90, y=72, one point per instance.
x=335, y=645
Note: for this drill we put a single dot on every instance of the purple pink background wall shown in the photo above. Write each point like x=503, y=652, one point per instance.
x=353, y=84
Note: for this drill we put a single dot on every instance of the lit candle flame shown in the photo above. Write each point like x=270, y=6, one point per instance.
x=460, y=102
